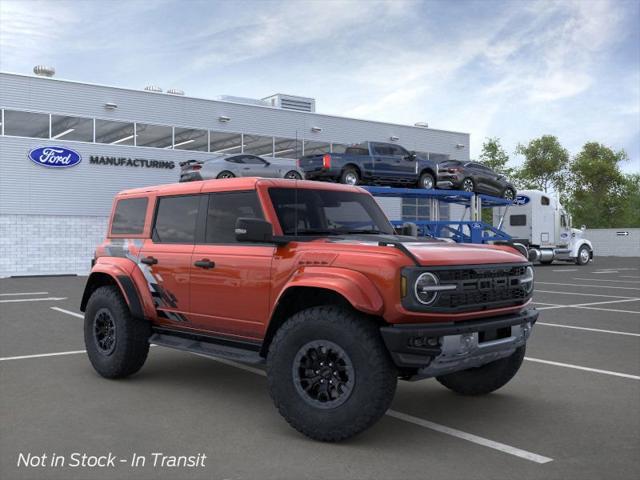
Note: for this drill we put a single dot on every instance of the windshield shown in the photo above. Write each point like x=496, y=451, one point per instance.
x=326, y=212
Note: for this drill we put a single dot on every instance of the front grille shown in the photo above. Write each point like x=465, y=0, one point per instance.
x=480, y=287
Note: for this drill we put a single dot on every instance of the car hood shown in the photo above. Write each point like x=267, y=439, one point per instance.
x=434, y=252
x=462, y=254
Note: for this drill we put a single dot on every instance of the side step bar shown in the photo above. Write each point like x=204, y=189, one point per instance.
x=206, y=347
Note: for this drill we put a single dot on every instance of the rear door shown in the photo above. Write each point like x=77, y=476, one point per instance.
x=166, y=257
x=230, y=281
x=383, y=160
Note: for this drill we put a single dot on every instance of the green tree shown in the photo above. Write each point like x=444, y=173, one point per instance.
x=545, y=164
x=495, y=157
x=600, y=196
x=630, y=215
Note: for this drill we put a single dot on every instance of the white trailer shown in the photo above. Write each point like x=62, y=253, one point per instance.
x=538, y=221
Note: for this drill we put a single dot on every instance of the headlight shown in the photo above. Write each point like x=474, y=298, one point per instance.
x=527, y=280
x=426, y=288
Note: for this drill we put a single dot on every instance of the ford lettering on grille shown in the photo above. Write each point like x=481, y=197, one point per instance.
x=55, y=157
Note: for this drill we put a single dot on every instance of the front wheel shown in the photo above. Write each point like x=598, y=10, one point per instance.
x=426, y=181
x=584, y=255
x=225, y=174
x=484, y=379
x=509, y=194
x=329, y=373
x=117, y=344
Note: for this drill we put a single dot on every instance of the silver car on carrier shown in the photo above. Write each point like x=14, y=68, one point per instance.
x=241, y=165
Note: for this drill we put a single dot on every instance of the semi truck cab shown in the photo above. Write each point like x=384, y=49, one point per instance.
x=539, y=221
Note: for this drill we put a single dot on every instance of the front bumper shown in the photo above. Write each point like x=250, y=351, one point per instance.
x=430, y=350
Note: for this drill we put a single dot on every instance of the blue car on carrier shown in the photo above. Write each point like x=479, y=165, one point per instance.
x=374, y=163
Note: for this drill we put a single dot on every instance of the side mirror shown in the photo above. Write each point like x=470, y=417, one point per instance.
x=411, y=156
x=253, y=230
x=408, y=229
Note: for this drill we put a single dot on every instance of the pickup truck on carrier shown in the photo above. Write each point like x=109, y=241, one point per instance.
x=373, y=163
x=310, y=279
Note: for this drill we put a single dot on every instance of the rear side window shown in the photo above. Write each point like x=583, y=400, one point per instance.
x=544, y=201
x=518, y=220
x=129, y=215
x=176, y=219
x=225, y=209
x=357, y=151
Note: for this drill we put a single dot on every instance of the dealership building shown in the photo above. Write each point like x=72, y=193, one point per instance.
x=52, y=218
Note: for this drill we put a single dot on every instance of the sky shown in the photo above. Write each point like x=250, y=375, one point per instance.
x=509, y=69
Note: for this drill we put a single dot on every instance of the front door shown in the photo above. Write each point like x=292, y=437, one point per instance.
x=231, y=281
x=166, y=257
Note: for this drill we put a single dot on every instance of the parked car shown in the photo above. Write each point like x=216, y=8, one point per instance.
x=474, y=177
x=243, y=165
x=372, y=163
x=310, y=279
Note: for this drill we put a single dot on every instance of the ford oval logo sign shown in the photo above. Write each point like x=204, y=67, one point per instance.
x=521, y=200
x=55, y=157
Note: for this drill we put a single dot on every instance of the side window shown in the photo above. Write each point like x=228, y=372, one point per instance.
x=544, y=200
x=398, y=151
x=518, y=220
x=235, y=159
x=176, y=219
x=224, y=209
x=563, y=221
x=128, y=218
x=253, y=160
x=381, y=149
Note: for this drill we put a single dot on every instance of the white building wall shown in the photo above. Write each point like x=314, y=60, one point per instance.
x=49, y=244
x=608, y=242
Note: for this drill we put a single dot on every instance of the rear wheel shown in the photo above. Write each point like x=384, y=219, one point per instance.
x=426, y=181
x=225, y=174
x=584, y=255
x=116, y=343
x=293, y=175
x=350, y=176
x=329, y=373
x=468, y=185
x=484, y=379
x=509, y=194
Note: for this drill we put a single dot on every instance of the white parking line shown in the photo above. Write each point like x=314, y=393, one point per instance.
x=589, y=305
x=598, y=330
x=533, y=457
x=592, y=286
x=62, y=310
x=607, y=280
x=586, y=369
x=23, y=293
x=633, y=312
x=606, y=271
x=41, y=355
x=566, y=270
x=422, y=423
x=582, y=294
x=629, y=276
x=48, y=299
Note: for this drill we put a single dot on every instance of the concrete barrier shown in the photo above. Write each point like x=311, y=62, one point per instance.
x=616, y=242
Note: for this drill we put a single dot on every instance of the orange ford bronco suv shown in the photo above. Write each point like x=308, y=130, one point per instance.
x=311, y=279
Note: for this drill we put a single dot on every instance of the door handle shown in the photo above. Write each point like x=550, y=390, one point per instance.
x=205, y=263
x=149, y=260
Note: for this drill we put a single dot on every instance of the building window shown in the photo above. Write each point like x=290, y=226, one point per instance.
x=258, y=145
x=157, y=136
x=191, y=139
x=26, y=124
x=71, y=128
x=129, y=216
x=114, y=133
x=316, y=148
x=287, y=148
x=225, y=143
x=176, y=219
x=415, y=209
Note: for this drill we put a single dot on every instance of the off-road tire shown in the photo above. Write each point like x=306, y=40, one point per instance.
x=375, y=376
x=579, y=258
x=131, y=335
x=225, y=174
x=348, y=173
x=484, y=379
x=424, y=179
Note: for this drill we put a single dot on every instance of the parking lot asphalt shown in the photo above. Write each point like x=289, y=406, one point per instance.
x=573, y=410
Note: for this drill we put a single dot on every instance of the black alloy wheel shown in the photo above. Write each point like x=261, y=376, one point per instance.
x=104, y=331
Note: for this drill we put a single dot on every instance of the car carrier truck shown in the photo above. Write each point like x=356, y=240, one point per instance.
x=540, y=222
